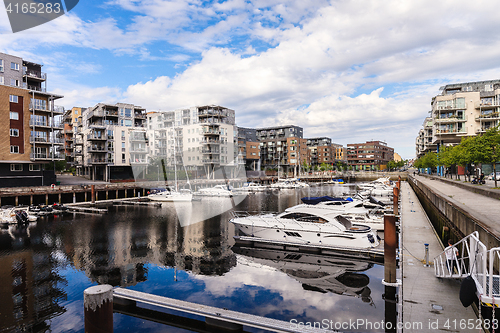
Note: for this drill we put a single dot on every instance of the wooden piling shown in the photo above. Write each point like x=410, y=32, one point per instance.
x=98, y=314
x=60, y=201
x=74, y=197
x=17, y=200
x=31, y=200
x=46, y=199
x=92, y=193
x=390, y=245
x=395, y=200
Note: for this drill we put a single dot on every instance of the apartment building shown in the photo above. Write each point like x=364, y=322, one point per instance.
x=201, y=138
x=249, y=148
x=111, y=141
x=424, y=142
x=31, y=121
x=283, y=147
x=371, y=155
x=462, y=109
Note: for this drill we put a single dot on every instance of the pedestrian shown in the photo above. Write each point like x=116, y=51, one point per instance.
x=451, y=256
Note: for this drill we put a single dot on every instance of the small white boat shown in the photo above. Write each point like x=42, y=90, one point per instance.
x=216, y=191
x=15, y=215
x=172, y=196
x=251, y=187
x=308, y=225
x=287, y=184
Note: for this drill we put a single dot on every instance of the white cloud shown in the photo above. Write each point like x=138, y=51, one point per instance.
x=303, y=62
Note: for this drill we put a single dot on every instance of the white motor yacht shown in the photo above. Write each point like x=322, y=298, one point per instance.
x=308, y=225
x=216, y=191
x=284, y=184
x=357, y=211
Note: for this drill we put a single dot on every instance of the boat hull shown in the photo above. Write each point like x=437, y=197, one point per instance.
x=313, y=235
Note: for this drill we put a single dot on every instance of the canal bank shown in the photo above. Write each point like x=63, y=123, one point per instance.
x=428, y=303
x=456, y=211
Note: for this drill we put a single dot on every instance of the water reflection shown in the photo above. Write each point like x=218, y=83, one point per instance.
x=31, y=288
x=173, y=251
x=315, y=272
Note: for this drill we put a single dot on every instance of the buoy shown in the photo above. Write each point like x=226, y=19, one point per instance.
x=467, y=291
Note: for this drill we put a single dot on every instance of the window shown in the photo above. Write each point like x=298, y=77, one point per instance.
x=14, y=82
x=128, y=122
x=34, y=167
x=14, y=132
x=1, y=66
x=128, y=112
x=14, y=149
x=16, y=167
x=2, y=80
x=13, y=99
x=14, y=66
x=14, y=115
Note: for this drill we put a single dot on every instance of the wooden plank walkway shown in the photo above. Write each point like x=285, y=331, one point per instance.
x=216, y=314
x=427, y=300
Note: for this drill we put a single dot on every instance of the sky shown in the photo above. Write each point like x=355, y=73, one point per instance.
x=353, y=71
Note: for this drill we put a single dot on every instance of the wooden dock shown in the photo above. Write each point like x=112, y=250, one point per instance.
x=216, y=317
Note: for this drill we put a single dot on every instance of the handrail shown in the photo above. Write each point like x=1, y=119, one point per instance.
x=472, y=260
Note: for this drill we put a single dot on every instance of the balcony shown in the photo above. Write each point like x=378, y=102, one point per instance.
x=111, y=113
x=452, y=119
x=96, y=113
x=488, y=116
x=39, y=123
x=138, y=137
x=97, y=137
x=210, y=142
x=490, y=104
x=138, y=150
x=46, y=156
x=211, y=161
x=97, y=149
x=34, y=88
x=211, y=131
x=97, y=124
x=450, y=131
x=210, y=151
x=98, y=161
x=36, y=75
x=139, y=115
x=138, y=161
x=45, y=140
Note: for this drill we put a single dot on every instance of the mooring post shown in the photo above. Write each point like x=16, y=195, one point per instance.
x=17, y=200
x=60, y=201
x=31, y=200
x=74, y=197
x=98, y=314
x=92, y=193
x=46, y=199
x=390, y=245
x=107, y=194
x=395, y=200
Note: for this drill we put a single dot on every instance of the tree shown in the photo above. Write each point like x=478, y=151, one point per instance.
x=486, y=148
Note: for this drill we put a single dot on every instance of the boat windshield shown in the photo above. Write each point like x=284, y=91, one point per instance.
x=304, y=217
x=345, y=222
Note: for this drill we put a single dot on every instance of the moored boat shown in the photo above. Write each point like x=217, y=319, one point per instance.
x=307, y=225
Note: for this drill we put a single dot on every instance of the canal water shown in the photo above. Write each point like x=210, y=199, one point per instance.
x=184, y=251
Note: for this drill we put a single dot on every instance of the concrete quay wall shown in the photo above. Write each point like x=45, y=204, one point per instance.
x=444, y=212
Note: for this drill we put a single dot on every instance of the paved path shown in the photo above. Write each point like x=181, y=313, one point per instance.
x=485, y=209
x=427, y=300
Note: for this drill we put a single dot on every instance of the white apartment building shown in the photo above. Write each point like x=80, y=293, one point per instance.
x=203, y=138
x=113, y=142
x=462, y=109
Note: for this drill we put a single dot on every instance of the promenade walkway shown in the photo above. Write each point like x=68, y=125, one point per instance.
x=480, y=206
x=429, y=304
